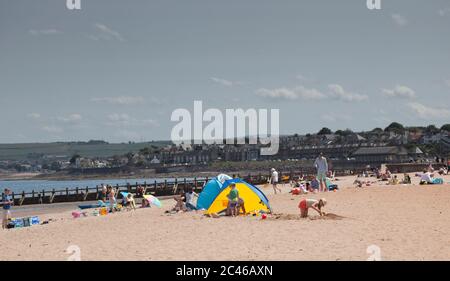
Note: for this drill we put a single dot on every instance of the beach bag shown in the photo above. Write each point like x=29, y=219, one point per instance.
x=296, y=191
x=26, y=222
x=34, y=220
x=18, y=223
x=438, y=181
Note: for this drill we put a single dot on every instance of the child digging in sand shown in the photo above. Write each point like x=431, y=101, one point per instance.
x=317, y=205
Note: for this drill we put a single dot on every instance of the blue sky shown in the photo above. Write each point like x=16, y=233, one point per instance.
x=115, y=70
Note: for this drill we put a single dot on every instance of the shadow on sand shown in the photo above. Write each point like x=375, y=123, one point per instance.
x=328, y=216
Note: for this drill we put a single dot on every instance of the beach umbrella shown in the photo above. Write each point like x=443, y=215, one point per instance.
x=153, y=200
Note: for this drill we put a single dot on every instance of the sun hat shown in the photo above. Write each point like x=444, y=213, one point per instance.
x=324, y=201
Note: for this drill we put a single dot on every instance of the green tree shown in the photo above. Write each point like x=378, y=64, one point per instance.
x=446, y=127
x=395, y=127
x=345, y=133
x=325, y=131
x=432, y=129
x=74, y=158
x=377, y=130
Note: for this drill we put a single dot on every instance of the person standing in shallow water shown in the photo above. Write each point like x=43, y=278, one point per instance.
x=321, y=165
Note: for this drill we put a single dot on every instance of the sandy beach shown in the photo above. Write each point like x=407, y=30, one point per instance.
x=406, y=222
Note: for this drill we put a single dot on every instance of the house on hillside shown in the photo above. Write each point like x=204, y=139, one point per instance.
x=381, y=155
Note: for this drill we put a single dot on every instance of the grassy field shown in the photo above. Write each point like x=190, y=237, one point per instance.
x=33, y=150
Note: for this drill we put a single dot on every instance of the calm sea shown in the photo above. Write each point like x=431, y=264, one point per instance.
x=17, y=186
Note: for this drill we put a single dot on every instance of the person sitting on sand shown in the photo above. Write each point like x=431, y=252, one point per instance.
x=139, y=191
x=241, y=206
x=103, y=196
x=7, y=203
x=426, y=177
x=112, y=199
x=393, y=181
x=315, y=185
x=316, y=205
x=145, y=203
x=190, y=199
x=129, y=202
x=406, y=179
x=233, y=199
x=181, y=202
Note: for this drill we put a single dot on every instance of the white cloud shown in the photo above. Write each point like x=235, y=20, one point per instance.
x=338, y=92
x=334, y=117
x=50, y=31
x=399, y=19
x=121, y=100
x=443, y=12
x=128, y=135
x=226, y=83
x=34, y=115
x=426, y=112
x=106, y=33
x=52, y=129
x=150, y=122
x=124, y=119
x=73, y=118
x=447, y=82
x=399, y=92
x=299, y=92
x=302, y=78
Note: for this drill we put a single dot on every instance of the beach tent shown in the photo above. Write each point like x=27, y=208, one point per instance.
x=210, y=191
x=254, y=199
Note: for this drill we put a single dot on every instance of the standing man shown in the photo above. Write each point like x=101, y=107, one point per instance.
x=321, y=165
x=7, y=203
x=274, y=180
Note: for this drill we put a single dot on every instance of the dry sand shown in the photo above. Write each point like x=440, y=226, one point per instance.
x=406, y=223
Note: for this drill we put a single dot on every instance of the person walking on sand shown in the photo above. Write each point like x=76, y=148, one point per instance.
x=7, y=203
x=314, y=204
x=274, y=180
x=321, y=165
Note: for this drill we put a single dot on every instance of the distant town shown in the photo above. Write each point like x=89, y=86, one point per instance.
x=345, y=149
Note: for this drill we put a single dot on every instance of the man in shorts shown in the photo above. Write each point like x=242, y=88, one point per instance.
x=321, y=165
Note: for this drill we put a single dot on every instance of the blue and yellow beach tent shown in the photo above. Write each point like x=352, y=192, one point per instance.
x=210, y=191
x=254, y=199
